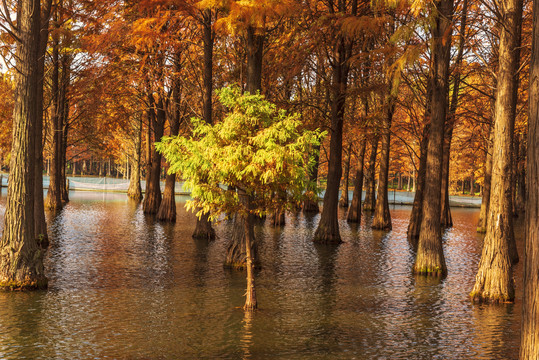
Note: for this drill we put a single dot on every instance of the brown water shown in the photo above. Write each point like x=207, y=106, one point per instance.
x=123, y=286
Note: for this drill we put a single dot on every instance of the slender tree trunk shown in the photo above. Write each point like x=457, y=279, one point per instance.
x=40, y=225
x=520, y=204
x=236, y=254
x=446, y=219
x=250, y=296
x=204, y=229
x=54, y=194
x=311, y=205
x=21, y=259
x=152, y=200
x=343, y=202
x=328, y=227
x=65, y=130
x=354, y=213
x=430, y=258
x=529, y=334
x=416, y=215
x=167, y=209
x=494, y=279
x=370, y=199
x=482, y=224
x=382, y=216
x=135, y=191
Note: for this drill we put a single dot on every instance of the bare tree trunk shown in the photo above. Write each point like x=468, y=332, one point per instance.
x=250, y=296
x=354, y=213
x=21, y=259
x=370, y=200
x=40, y=225
x=135, y=191
x=414, y=225
x=311, y=205
x=204, y=229
x=343, y=202
x=494, y=279
x=482, y=224
x=382, y=216
x=430, y=258
x=520, y=204
x=152, y=200
x=529, y=334
x=54, y=194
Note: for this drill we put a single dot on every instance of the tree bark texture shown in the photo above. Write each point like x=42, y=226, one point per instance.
x=343, y=202
x=354, y=212
x=494, y=279
x=382, y=216
x=54, y=194
x=135, y=191
x=430, y=258
x=40, y=225
x=152, y=199
x=204, y=228
x=370, y=185
x=21, y=259
x=414, y=226
x=529, y=334
x=483, y=212
x=328, y=227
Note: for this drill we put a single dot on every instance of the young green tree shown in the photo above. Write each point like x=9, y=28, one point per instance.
x=256, y=149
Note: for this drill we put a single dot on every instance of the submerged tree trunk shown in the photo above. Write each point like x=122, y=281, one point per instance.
x=494, y=279
x=40, y=225
x=370, y=185
x=135, y=191
x=152, y=199
x=328, y=227
x=204, y=228
x=236, y=255
x=529, y=334
x=354, y=213
x=414, y=226
x=250, y=295
x=482, y=224
x=430, y=258
x=343, y=202
x=21, y=260
x=382, y=216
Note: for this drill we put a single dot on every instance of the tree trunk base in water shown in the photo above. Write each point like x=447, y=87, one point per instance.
x=167, y=209
x=236, y=257
x=203, y=229
x=324, y=235
x=278, y=219
x=24, y=285
x=135, y=196
x=482, y=229
x=310, y=206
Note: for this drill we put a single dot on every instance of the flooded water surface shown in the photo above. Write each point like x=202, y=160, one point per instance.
x=123, y=286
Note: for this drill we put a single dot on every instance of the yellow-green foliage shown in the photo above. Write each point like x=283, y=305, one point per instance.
x=256, y=148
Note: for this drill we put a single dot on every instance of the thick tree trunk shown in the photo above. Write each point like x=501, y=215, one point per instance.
x=494, y=279
x=430, y=258
x=152, y=199
x=370, y=200
x=21, y=259
x=204, y=228
x=354, y=213
x=529, y=334
x=482, y=224
x=343, y=202
x=135, y=191
x=414, y=225
x=382, y=216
